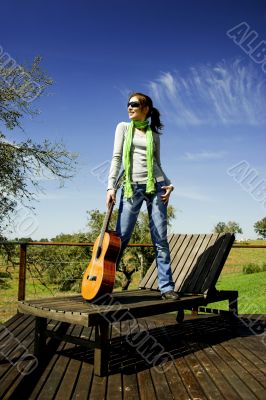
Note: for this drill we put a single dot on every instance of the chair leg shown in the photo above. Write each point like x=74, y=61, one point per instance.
x=101, y=352
x=180, y=316
x=40, y=337
x=194, y=311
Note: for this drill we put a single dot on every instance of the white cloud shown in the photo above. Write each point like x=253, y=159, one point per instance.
x=227, y=93
x=204, y=155
x=191, y=193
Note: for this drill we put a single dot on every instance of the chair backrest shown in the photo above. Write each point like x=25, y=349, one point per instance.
x=196, y=262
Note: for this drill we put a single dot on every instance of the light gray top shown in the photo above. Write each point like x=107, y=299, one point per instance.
x=139, y=172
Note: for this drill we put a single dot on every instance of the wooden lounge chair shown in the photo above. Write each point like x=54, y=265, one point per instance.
x=197, y=261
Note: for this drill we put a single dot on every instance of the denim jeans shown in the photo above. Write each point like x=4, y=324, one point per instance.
x=127, y=216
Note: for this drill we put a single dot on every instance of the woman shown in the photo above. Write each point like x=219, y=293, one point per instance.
x=138, y=144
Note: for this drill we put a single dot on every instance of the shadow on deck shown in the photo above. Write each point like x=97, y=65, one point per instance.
x=210, y=357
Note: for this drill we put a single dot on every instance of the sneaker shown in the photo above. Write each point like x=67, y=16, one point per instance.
x=171, y=295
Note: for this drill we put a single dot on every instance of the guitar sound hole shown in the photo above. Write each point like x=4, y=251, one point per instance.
x=92, y=277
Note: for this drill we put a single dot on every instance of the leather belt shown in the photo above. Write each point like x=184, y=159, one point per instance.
x=159, y=179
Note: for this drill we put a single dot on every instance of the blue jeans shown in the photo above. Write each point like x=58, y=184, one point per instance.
x=127, y=216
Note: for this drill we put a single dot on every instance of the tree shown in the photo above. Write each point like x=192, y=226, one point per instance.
x=22, y=161
x=95, y=222
x=260, y=227
x=220, y=227
x=230, y=227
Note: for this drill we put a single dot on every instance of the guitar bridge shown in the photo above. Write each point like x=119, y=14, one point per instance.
x=92, y=277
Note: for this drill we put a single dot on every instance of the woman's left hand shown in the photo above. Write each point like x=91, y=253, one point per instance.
x=166, y=195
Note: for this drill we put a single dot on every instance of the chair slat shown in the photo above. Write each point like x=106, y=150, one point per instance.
x=151, y=275
x=200, y=264
x=176, y=244
x=186, y=270
x=196, y=262
x=220, y=258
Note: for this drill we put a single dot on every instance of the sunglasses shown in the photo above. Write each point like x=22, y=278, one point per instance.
x=133, y=104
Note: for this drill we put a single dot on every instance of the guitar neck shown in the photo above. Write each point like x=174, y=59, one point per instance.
x=108, y=217
x=105, y=224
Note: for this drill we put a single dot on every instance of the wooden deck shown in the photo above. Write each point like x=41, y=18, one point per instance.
x=213, y=357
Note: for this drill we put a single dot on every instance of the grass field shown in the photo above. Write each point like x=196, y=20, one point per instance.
x=251, y=291
x=252, y=287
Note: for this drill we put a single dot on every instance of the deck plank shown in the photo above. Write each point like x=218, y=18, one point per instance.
x=49, y=381
x=176, y=384
x=83, y=385
x=211, y=360
x=256, y=390
x=235, y=381
x=256, y=361
x=205, y=381
x=98, y=388
x=14, y=378
x=130, y=381
x=114, y=387
x=76, y=382
x=249, y=366
x=218, y=378
x=160, y=382
x=69, y=381
x=189, y=380
x=257, y=347
x=146, y=388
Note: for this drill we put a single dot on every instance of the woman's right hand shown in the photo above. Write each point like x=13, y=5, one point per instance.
x=110, y=197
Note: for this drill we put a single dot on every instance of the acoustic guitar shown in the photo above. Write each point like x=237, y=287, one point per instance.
x=99, y=277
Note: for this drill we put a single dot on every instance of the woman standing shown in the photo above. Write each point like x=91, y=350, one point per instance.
x=137, y=144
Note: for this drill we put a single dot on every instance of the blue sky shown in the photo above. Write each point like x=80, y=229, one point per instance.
x=209, y=90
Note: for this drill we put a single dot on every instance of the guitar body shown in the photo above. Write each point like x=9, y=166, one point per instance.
x=99, y=276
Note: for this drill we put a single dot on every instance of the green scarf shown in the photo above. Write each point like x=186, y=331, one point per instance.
x=150, y=187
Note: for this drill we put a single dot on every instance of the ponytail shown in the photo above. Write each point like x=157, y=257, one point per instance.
x=156, y=124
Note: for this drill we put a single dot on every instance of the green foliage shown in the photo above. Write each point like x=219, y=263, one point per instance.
x=23, y=162
x=9, y=256
x=19, y=86
x=263, y=267
x=62, y=266
x=95, y=222
x=229, y=227
x=4, y=280
x=260, y=227
x=251, y=268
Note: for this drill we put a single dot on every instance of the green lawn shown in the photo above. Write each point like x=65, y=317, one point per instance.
x=239, y=257
x=251, y=291
x=8, y=299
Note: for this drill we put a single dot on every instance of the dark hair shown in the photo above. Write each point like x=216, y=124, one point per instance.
x=153, y=112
